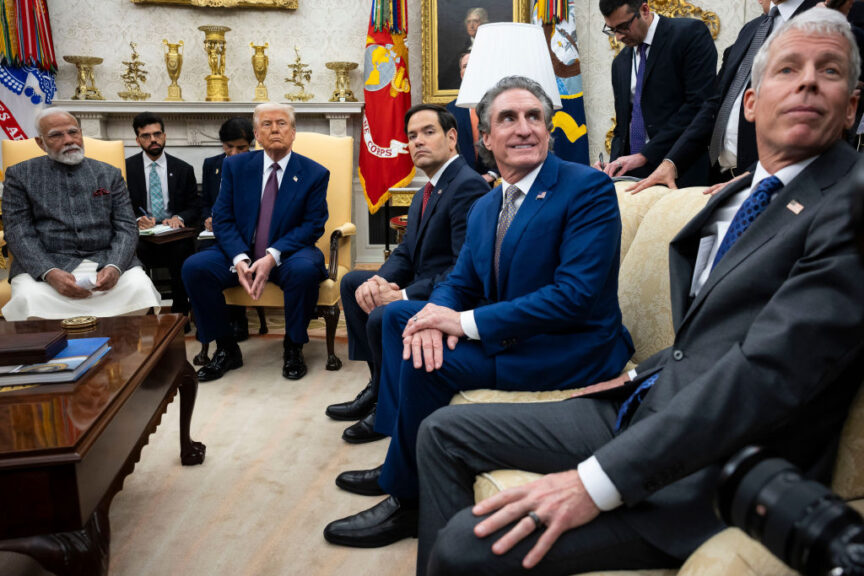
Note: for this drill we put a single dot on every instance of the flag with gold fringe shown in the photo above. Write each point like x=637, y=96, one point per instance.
x=570, y=130
x=384, y=161
x=27, y=66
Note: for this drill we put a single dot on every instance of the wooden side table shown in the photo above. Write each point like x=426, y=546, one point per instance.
x=400, y=197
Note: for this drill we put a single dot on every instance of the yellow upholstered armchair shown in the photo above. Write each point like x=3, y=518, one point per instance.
x=15, y=151
x=337, y=155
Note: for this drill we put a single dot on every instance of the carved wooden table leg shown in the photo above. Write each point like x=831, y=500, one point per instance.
x=191, y=452
x=80, y=553
x=331, y=321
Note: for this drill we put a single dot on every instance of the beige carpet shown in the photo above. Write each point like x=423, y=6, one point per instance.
x=258, y=504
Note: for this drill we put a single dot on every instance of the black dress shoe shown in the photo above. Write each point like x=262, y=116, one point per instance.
x=294, y=367
x=222, y=361
x=363, y=482
x=363, y=431
x=385, y=523
x=355, y=409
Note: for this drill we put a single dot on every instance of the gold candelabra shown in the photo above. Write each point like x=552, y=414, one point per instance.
x=301, y=74
x=132, y=78
x=214, y=46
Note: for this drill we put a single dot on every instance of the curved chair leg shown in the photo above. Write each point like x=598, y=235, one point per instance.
x=202, y=358
x=262, y=320
x=331, y=320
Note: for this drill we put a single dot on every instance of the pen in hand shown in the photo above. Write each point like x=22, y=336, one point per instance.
x=602, y=163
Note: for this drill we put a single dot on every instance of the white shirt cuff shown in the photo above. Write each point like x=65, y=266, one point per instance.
x=277, y=255
x=405, y=295
x=632, y=374
x=239, y=258
x=469, y=326
x=598, y=485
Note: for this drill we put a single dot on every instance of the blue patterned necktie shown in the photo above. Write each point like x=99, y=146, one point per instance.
x=637, y=121
x=634, y=400
x=157, y=202
x=750, y=209
x=508, y=211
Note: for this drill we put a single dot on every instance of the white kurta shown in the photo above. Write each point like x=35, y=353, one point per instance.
x=32, y=300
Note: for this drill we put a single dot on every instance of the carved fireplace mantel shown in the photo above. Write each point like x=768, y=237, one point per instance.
x=199, y=122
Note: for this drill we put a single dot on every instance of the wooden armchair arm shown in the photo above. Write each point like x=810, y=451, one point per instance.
x=344, y=231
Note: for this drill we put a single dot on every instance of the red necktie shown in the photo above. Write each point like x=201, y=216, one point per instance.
x=427, y=193
x=265, y=213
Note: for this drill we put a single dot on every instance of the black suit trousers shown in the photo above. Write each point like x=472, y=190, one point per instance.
x=458, y=442
x=172, y=254
x=364, y=330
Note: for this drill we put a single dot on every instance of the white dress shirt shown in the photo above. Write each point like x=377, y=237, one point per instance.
x=466, y=318
x=265, y=175
x=728, y=157
x=434, y=181
x=597, y=483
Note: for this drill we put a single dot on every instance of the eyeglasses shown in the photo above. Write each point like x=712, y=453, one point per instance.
x=153, y=136
x=56, y=136
x=621, y=28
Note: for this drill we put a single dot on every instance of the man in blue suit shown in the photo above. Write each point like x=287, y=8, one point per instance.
x=436, y=230
x=270, y=211
x=531, y=304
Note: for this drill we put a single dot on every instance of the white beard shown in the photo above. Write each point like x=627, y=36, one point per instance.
x=71, y=156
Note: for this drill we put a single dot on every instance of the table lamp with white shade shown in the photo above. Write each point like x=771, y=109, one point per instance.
x=507, y=49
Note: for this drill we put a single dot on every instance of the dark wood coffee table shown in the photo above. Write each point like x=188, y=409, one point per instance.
x=65, y=449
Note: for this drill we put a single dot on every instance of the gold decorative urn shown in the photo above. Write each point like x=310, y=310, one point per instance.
x=260, y=60
x=173, y=62
x=343, y=91
x=86, y=89
x=214, y=47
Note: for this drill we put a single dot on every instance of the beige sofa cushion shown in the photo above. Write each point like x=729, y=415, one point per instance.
x=643, y=285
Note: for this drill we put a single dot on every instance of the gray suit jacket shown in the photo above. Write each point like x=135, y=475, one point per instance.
x=769, y=352
x=56, y=215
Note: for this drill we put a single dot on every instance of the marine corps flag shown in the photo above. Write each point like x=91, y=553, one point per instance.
x=570, y=131
x=384, y=160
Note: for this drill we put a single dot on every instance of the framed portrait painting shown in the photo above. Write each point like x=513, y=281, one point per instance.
x=448, y=32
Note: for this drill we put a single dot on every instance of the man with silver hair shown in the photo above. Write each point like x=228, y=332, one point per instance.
x=70, y=227
x=271, y=209
x=766, y=291
x=531, y=304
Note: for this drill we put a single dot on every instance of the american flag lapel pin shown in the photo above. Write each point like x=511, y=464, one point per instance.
x=795, y=207
x=541, y=195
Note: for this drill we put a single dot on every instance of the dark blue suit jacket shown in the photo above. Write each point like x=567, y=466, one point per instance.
x=298, y=215
x=465, y=139
x=211, y=178
x=432, y=243
x=554, y=319
x=679, y=77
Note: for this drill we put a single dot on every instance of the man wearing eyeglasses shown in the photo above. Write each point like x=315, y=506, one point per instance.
x=163, y=191
x=660, y=78
x=70, y=227
x=720, y=126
